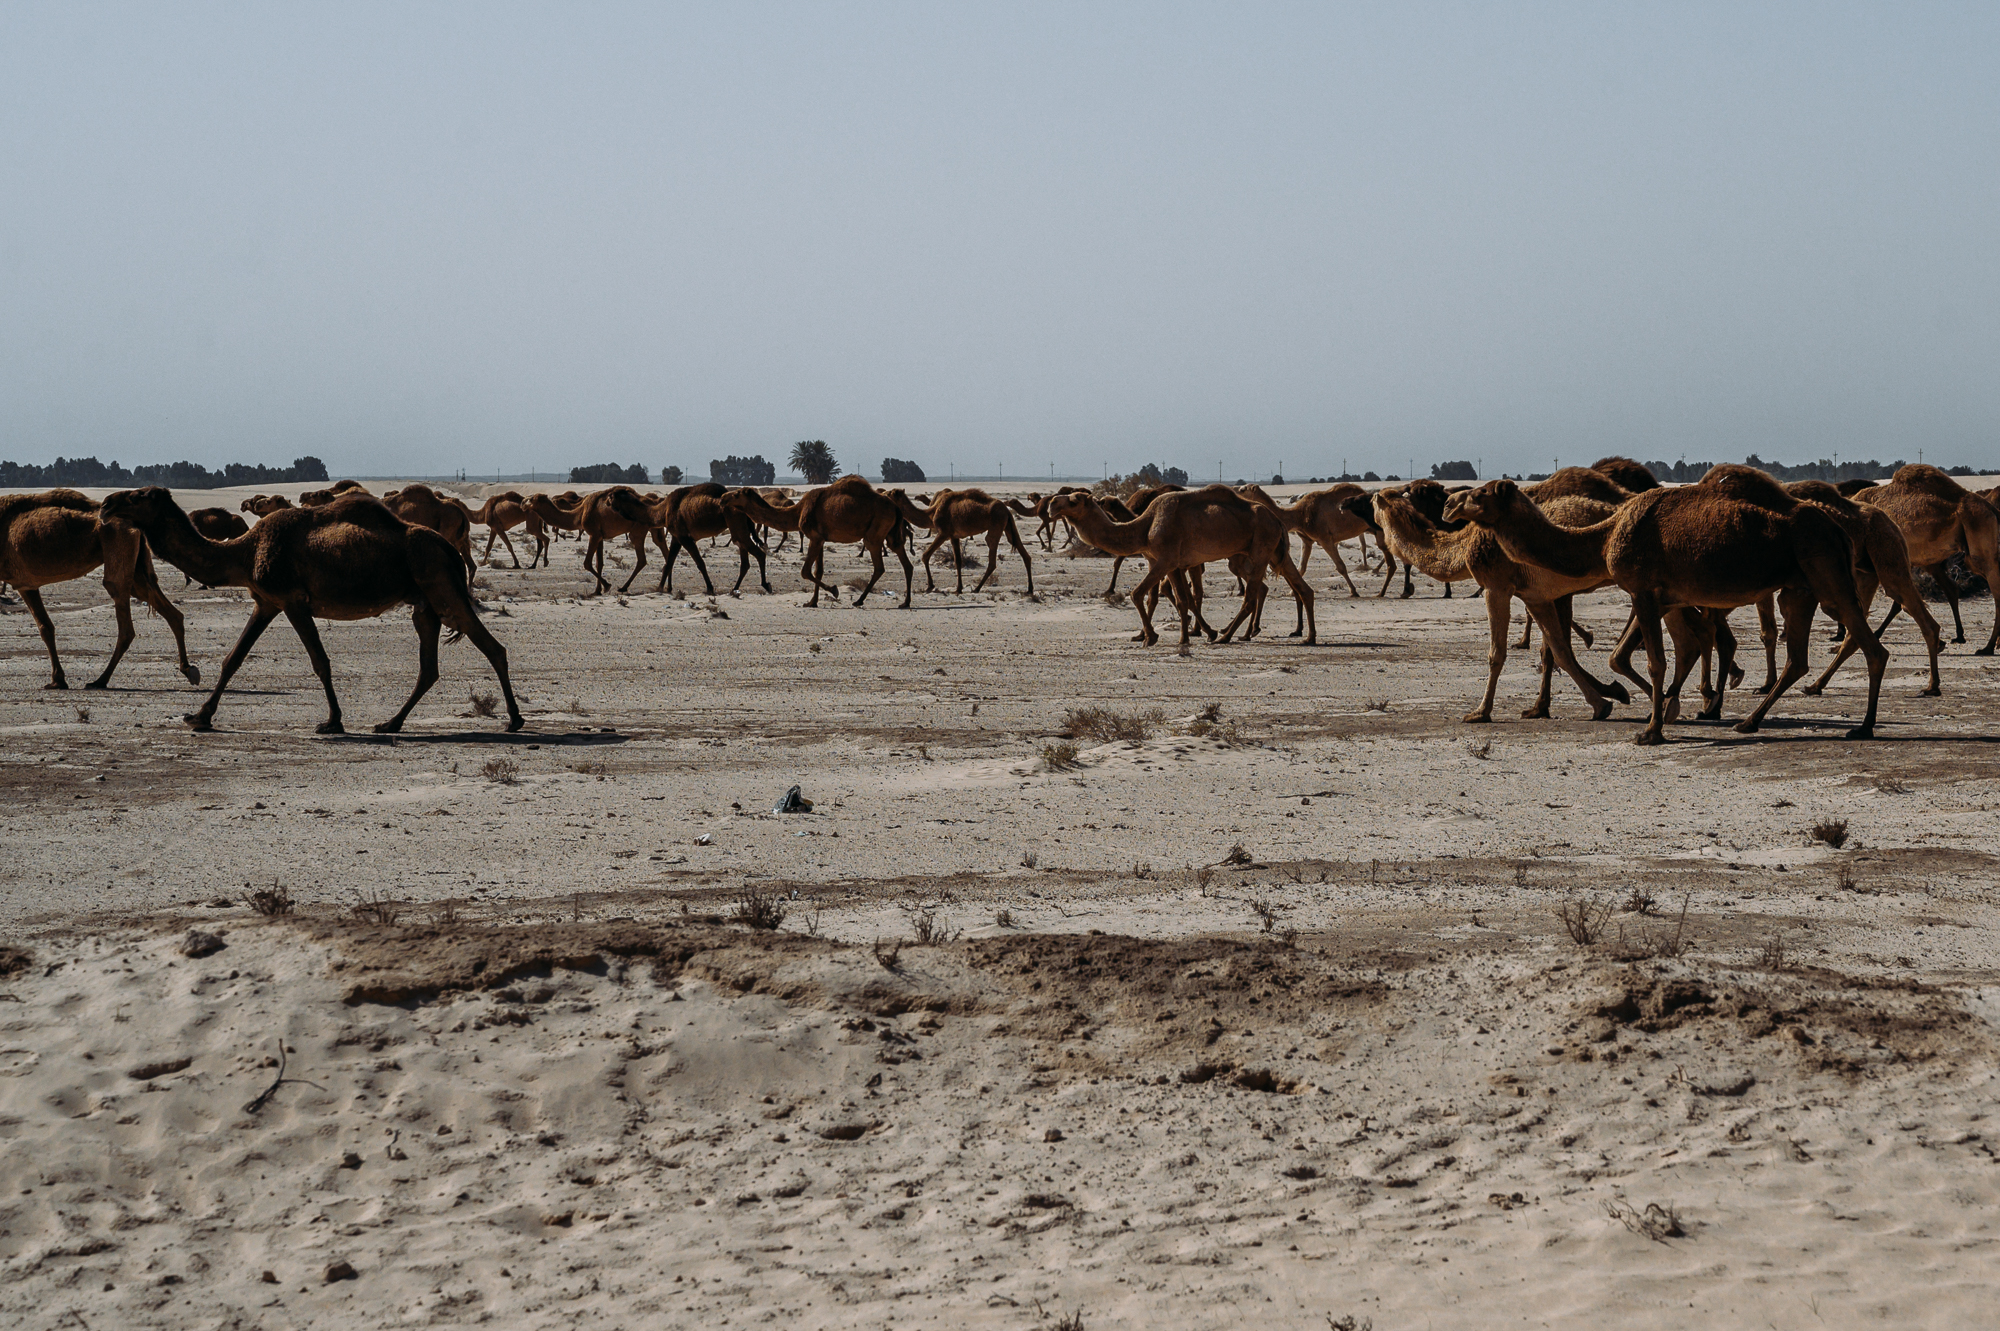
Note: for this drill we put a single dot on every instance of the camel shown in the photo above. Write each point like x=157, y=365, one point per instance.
x=425, y=507
x=217, y=524
x=58, y=535
x=264, y=505
x=605, y=516
x=1182, y=530
x=1633, y=475
x=349, y=559
x=1546, y=593
x=1714, y=547
x=955, y=516
x=694, y=511
x=500, y=514
x=315, y=498
x=1940, y=518
x=849, y=510
x=1325, y=518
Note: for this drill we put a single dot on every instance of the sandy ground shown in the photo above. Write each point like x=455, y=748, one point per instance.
x=1264, y=1017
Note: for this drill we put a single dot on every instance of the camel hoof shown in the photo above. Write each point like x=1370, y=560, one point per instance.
x=1862, y=732
x=1476, y=719
x=1930, y=693
x=1597, y=713
x=1542, y=714
x=1648, y=738
x=198, y=723
x=98, y=684
x=1811, y=691
x=514, y=725
x=382, y=728
x=1745, y=727
x=193, y=674
x=1616, y=692
x=55, y=684
x=1984, y=651
x=329, y=728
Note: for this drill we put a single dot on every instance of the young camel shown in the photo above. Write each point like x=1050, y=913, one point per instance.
x=1181, y=531
x=958, y=515
x=848, y=511
x=501, y=513
x=1546, y=593
x=350, y=559
x=1712, y=547
x=693, y=512
x=1940, y=518
x=58, y=535
x=315, y=498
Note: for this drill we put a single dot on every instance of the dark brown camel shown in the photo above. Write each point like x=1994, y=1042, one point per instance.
x=848, y=511
x=350, y=559
x=693, y=512
x=58, y=535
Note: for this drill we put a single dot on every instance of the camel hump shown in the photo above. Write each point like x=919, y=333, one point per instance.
x=1926, y=479
x=1749, y=485
x=1820, y=492
x=1630, y=473
x=1579, y=482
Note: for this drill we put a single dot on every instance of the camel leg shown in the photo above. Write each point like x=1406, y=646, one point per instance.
x=147, y=587
x=639, y=550
x=1302, y=593
x=1941, y=574
x=1500, y=626
x=1027, y=565
x=1527, y=627
x=909, y=576
x=1540, y=710
x=746, y=546
x=1767, y=631
x=426, y=621
x=1554, y=620
x=1988, y=567
x=930, y=582
x=122, y=608
x=595, y=552
x=1409, y=588
x=1646, y=618
x=302, y=623
x=992, y=559
x=260, y=619
x=1340, y=567
x=42, y=621
x=1118, y=562
x=874, y=549
x=1798, y=605
x=1139, y=603
x=455, y=608
x=1725, y=666
x=813, y=567
x=694, y=552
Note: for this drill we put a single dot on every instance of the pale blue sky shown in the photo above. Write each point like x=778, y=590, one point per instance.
x=419, y=237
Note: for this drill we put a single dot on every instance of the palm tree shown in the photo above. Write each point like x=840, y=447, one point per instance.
x=814, y=461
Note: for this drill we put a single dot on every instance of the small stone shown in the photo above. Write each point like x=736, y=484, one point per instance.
x=201, y=943
x=1053, y=1135
x=350, y=1160
x=339, y=1271
x=269, y=1278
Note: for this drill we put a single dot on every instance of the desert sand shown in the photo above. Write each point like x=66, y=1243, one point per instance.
x=1263, y=1015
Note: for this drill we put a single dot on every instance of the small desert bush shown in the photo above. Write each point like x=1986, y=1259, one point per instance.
x=889, y=955
x=1831, y=831
x=1584, y=920
x=83, y=715
x=1658, y=1223
x=1266, y=912
x=501, y=771
x=928, y=927
x=1003, y=919
x=272, y=900
x=1104, y=725
x=1030, y=858
x=1059, y=755
x=375, y=908
x=759, y=910
x=483, y=704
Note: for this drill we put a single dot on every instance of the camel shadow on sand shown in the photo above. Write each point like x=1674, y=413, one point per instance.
x=580, y=738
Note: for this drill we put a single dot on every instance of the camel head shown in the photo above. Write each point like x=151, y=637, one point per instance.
x=1362, y=506
x=145, y=509
x=1486, y=505
x=1064, y=505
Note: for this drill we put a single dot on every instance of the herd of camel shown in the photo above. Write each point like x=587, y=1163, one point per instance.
x=1685, y=555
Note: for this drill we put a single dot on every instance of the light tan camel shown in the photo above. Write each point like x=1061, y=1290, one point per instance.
x=960, y=515
x=264, y=505
x=425, y=507
x=1940, y=518
x=1545, y=592
x=350, y=559
x=58, y=535
x=693, y=512
x=848, y=511
x=1184, y=529
x=1714, y=547
x=500, y=514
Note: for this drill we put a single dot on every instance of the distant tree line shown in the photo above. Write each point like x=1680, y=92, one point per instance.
x=895, y=471
x=1823, y=470
x=733, y=470
x=175, y=475
x=608, y=473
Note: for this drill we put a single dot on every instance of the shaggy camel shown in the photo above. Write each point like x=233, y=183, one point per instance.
x=264, y=505
x=1546, y=593
x=58, y=535
x=350, y=559
x=849, y=510
x=693, y=512
x=425, y=507
x=1182, y=530
x=959, y=515
x=503, y=512
x=1940, y=518
x=1711, y=547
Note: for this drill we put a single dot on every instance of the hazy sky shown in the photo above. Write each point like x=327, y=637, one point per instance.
x=411, y=238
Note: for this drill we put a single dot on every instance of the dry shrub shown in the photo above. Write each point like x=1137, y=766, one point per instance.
x=1771, y=956
x=1059, y=755
x=376, y=908
x=1660, y=943
x=1376, y=705
x=1584, y=920
x=759, y=910
x=1830, y=831
x=928, y=927
x=501, y=771
x=596, y=767
x=1302, y=1173
x=1104, y=725
x=272, y=900
x=1640, y=902
x=1143, y=869
x=83, y=715
x=1483, y=749
x=1265, y=912
x=1003, y=919
x=445, y=914
x=483, y=704
x=1030, y=859
x=889, y=955
x=1238, y=855
x=1658, y=1223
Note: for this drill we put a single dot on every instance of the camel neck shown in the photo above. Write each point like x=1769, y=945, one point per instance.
x=1114, y=538
x=1529, y=537
x=212, y=562
x=1436, y=552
